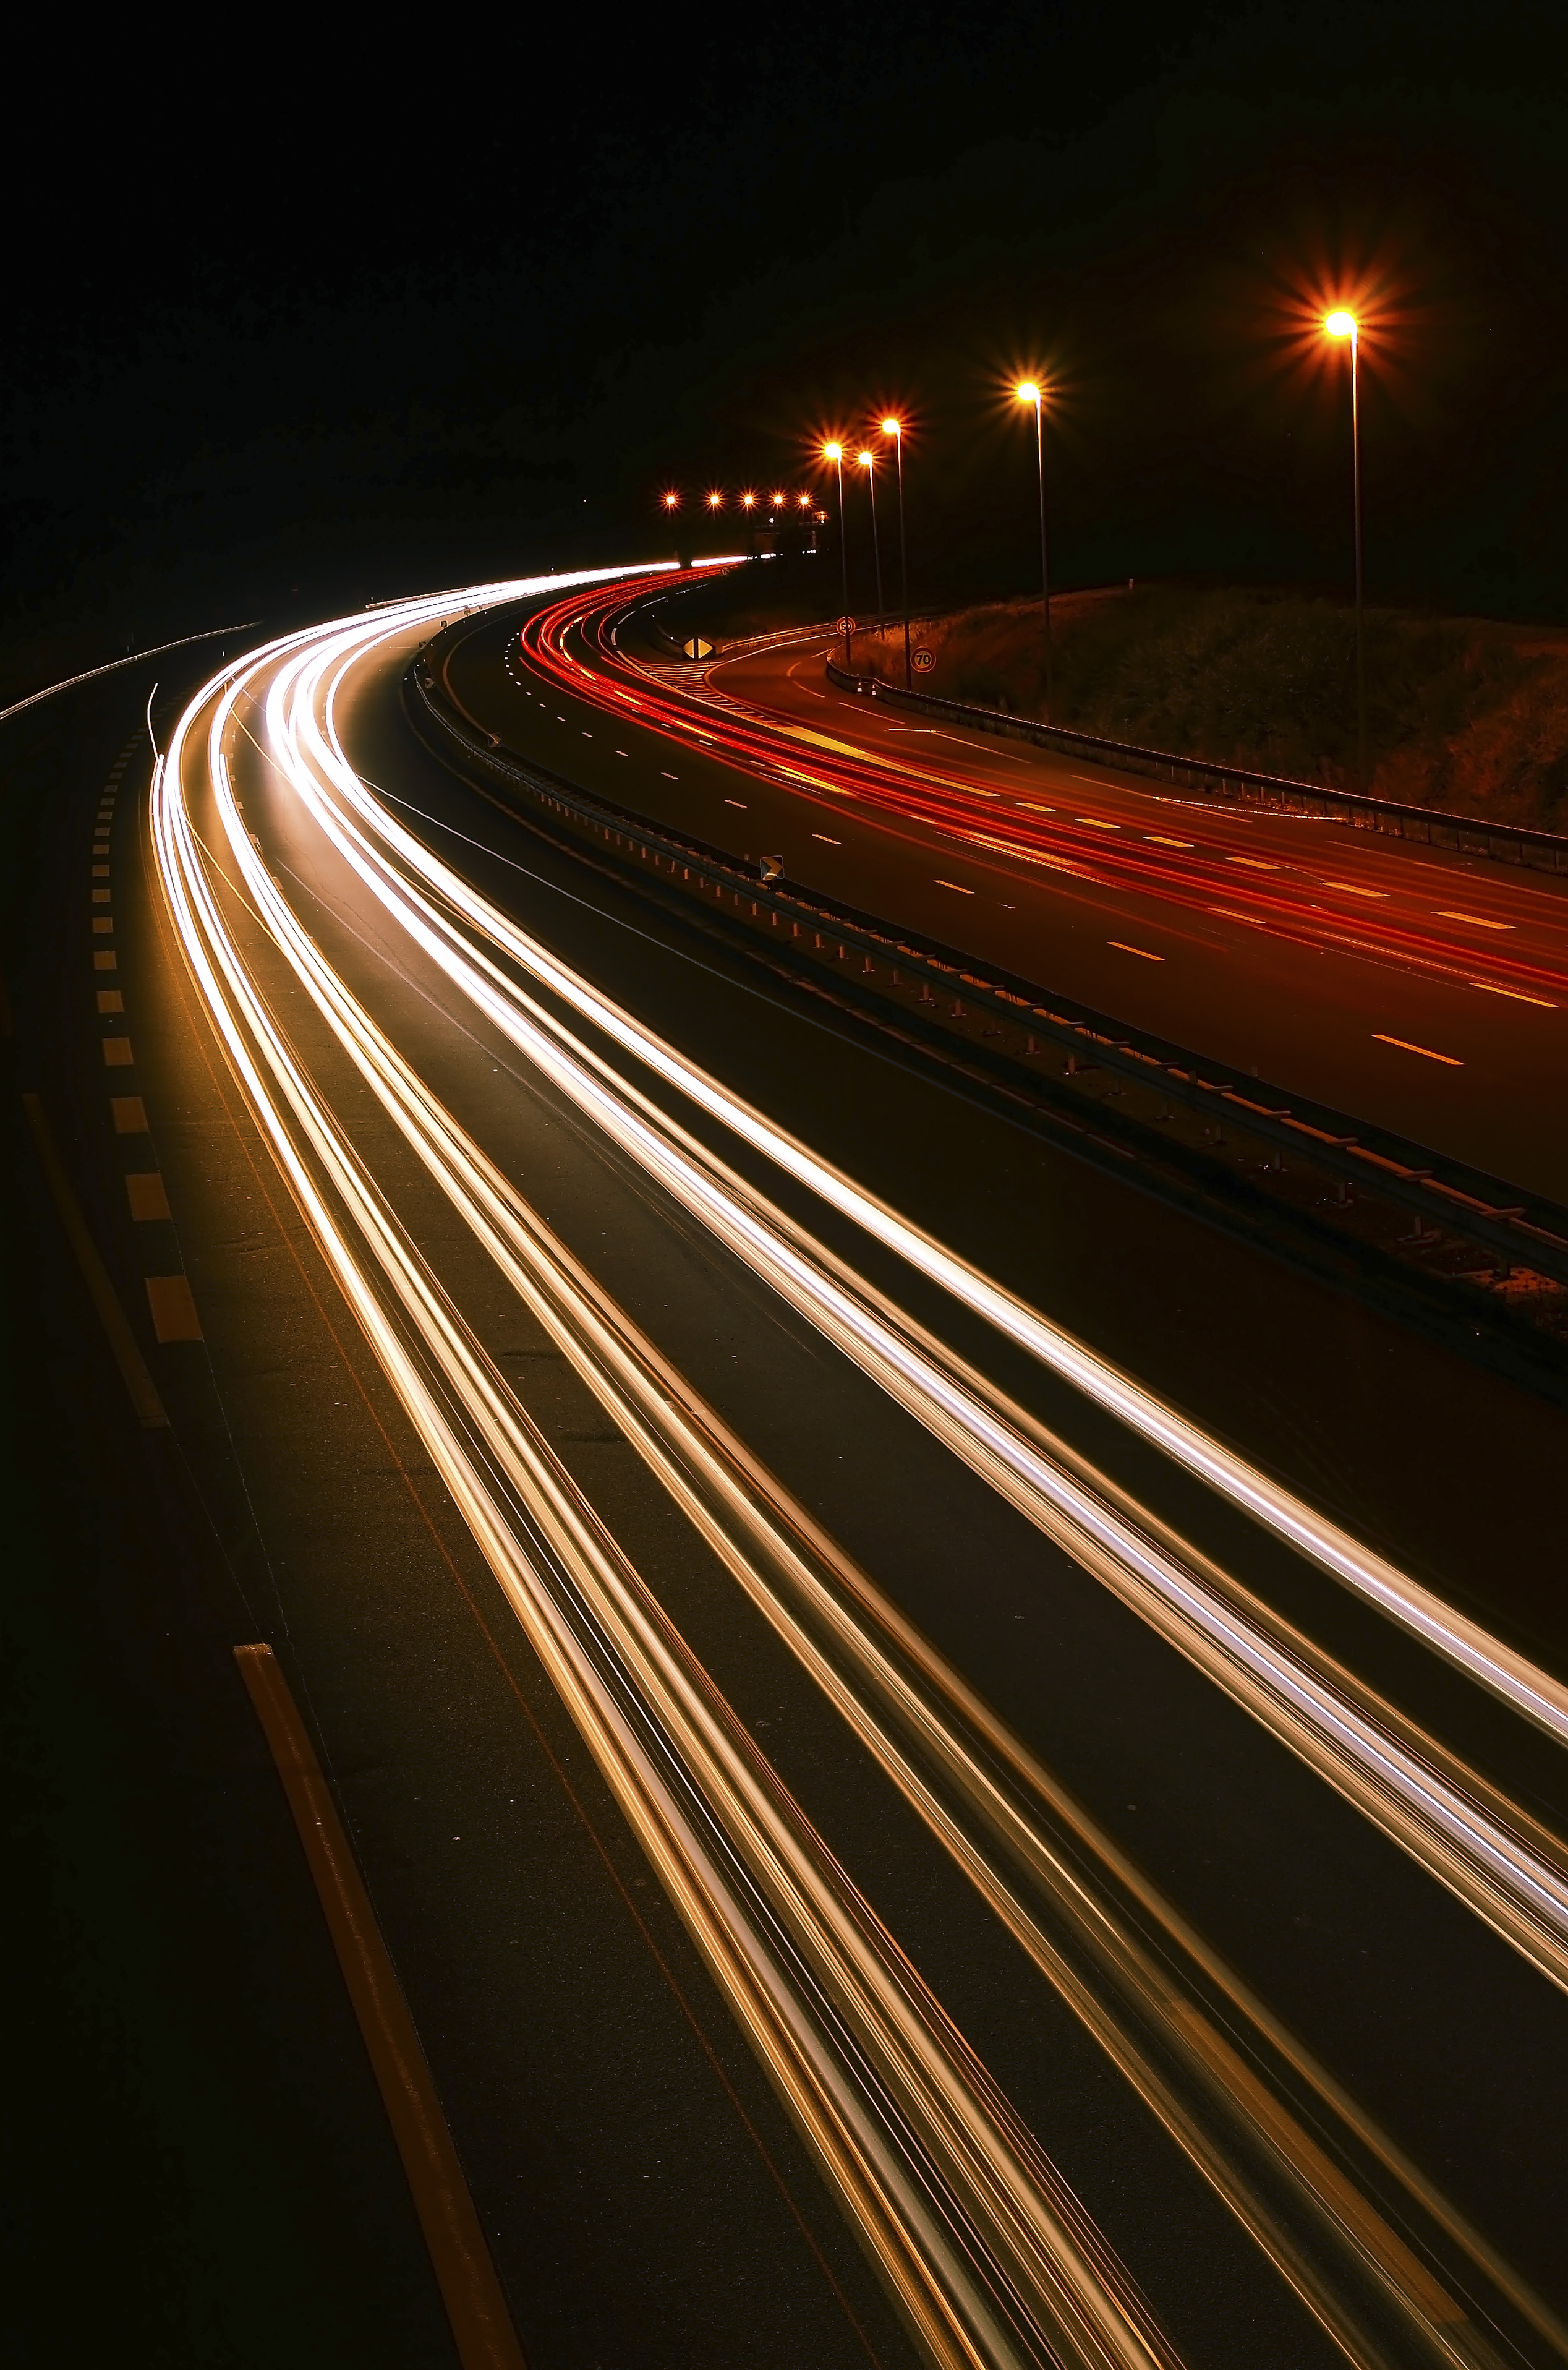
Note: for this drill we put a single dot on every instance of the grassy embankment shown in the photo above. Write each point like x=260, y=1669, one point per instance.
x=1461, y=714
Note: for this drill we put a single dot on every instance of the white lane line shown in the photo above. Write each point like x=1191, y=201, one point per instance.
x=953, y=884
x=1516, y=995
x=1450, y=1061
x=1477, y=921
x=1122, y=948
x=1354, y=889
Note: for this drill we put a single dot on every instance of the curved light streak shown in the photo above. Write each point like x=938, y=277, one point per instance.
x=990, y=2255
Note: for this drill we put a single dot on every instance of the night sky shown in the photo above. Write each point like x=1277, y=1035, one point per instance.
x=326, y=316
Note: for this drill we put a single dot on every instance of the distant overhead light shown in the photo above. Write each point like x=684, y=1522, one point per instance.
x=891, y=428
x=864, y=459
x=1341, y=324
x=715, y=501
x=749, y=501
x=832, y=452
x=1027, y=391
x=671, y=501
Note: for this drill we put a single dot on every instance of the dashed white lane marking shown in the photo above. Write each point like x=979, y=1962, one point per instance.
x=174, y=1310
x=1515, y=994
x=1477, y=921
x=1449, y=1061
x=953, y=884
x=147, y=1196
x=116, y=1053
x=1122, y=948
x=1354, y=889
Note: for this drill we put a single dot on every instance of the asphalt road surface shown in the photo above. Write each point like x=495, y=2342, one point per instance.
x=955, y=1767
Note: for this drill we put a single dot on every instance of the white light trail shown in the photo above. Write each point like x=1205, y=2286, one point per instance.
x=994, y=2262
x=1390, y=1773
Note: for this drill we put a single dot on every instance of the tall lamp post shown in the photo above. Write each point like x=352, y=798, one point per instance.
x=894, y=429
x=868, y=462
x=835, y=453
x=671, y=504
x=1344, y=324
x=1027, y=392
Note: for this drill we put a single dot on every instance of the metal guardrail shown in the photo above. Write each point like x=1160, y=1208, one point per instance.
x=1513, y=1229
x=1538, y=851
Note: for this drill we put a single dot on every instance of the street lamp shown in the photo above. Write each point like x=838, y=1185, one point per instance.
x=715, y=501
x=868, y=462
x=894, y=429
x=835, y=453
x=1344, y=324
x=1027, y=392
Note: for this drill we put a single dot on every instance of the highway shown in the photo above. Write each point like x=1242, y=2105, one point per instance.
x=1425, y=990
x=1003, y=1754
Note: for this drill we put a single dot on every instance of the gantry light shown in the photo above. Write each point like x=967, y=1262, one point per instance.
x=671, y=501
x=748, y=501
x=715, y=501
x=1340, y=324
x=865, y=459
x=832, y=452
x=892, y=427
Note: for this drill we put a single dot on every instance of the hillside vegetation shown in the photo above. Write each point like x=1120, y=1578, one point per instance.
x=1461, y=714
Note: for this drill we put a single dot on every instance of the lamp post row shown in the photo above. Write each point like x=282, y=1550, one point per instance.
x=1337, y=324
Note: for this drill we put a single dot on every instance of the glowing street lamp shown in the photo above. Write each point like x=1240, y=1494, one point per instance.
x=1344, y=324
x=835, y=453
x=671, y=501
x=748, y=501
x=1027, y=391
x=895, y=428
x=715, y=501
x=868, y=462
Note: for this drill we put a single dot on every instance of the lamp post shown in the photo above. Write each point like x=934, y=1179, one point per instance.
x=671, y=504
x=1027, y=392
x=1344, y=324
x=894, y=429
x=835, y=453
x=868, y=462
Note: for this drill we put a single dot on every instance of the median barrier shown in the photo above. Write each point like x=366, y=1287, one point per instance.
x=1500, y=843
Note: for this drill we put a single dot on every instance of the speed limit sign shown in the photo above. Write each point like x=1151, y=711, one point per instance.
x=843, y=626
x=922, y=659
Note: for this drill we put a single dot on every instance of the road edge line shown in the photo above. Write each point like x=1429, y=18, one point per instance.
x=470, y=2285
x=138, y=1381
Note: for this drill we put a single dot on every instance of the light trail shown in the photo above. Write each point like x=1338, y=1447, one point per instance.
x=749, y=737
x=988, y=2254
x=1488, y=1852
x=800, y=1580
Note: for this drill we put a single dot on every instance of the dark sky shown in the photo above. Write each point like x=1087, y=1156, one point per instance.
x=338, y=308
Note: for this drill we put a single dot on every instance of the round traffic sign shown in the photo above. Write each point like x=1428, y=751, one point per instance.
x=843, y=626
x=922, y=659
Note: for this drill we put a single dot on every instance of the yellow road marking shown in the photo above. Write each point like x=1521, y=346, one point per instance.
x=129, y=1113
x=1351, y=889
x=1096, y=824
x=1425, y=1051
x=1478, y=920
x=1516, y=994
x=116, y=1053
x=110, y=1000
x=1160, y=840
x=105, y=959
x=481, y=2324
x=1122, y=948
x=1258, y=863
